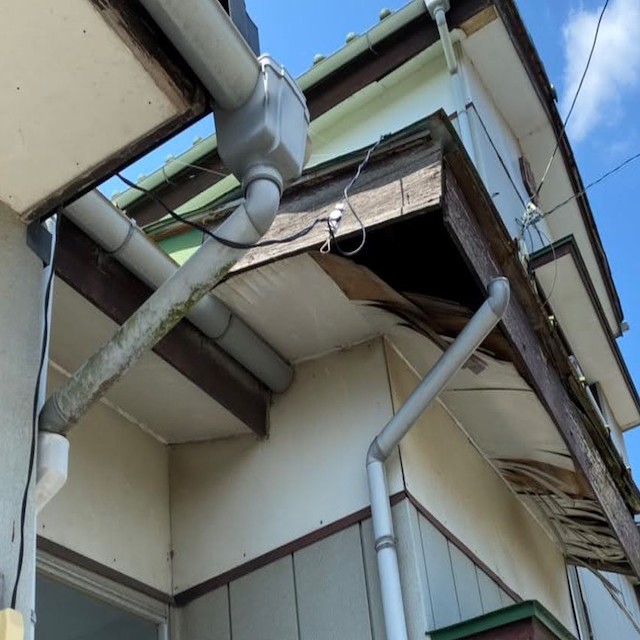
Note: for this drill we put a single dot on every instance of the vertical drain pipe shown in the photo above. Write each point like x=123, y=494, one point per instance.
x=437, y=10
x=471, y=337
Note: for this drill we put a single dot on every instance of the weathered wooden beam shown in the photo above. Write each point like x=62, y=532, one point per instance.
x=397, y=182
x=104, y=282
x=488, y=255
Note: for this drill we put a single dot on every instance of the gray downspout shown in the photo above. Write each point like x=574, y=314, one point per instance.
x=437, y=10
x=212, y=46
x=163, y=310
x=122, y=238
x=474, y=333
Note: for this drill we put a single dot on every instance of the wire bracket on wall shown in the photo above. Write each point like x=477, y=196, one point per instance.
x=40, y=241
x=333, y=224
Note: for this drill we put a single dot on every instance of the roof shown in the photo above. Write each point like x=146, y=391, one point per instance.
x=364, y=59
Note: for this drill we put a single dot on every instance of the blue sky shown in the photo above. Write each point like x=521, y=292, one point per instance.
x=604, y=130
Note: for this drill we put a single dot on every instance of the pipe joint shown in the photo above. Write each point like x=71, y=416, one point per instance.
x=262, y=200
x=499, y=295
x=375, y=453
x=385, y=542
x=52, y=418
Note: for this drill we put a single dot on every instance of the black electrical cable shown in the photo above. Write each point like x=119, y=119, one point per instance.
x=500, y=158
x=34, y=427
x=206, y=231
x=603, y=177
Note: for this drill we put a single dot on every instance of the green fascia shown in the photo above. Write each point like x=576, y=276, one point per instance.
x=502, y=618
x=181, y=247
x=172, y=167
x=198, y=205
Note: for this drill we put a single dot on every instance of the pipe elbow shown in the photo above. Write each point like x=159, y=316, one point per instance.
x=262, y=201
x=440, y=18
x=375, y=453
x=52, y=419
x=499, y=294
x=437, y=9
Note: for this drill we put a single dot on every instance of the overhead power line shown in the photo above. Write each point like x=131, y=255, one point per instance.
x=575, y=99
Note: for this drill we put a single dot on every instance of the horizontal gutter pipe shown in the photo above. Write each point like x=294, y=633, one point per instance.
x=121, y=237
x=437, y=10
x=211, y=45
x=163, y=309
x=471, y=337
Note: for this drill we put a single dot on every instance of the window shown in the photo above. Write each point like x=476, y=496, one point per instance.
x=73, y=603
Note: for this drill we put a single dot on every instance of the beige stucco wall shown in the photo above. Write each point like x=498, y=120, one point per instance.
x=114, y=508
x=237, y=499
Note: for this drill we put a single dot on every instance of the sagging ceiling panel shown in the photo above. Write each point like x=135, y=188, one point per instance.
x=87, y=86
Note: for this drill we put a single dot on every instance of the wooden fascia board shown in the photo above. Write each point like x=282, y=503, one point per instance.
x=476, y=231
x=109, y=286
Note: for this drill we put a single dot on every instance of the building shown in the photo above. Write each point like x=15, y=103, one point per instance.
x=220, y=489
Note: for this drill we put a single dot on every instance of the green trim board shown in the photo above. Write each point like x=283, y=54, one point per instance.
x=530, y=609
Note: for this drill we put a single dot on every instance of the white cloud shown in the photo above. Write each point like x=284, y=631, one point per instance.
x=615, y=67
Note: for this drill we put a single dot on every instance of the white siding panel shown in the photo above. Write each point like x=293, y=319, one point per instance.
x=308, y=473
x=466, y=581
x=331, y=589
x=490, y=592
x=263, y=604
x=608, y=620
x=442, y=587
x=207, y=618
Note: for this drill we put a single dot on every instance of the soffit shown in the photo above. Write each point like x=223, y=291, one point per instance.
x=507, y=423
x=566, y=287
x=87, y=85
x=153, y=392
